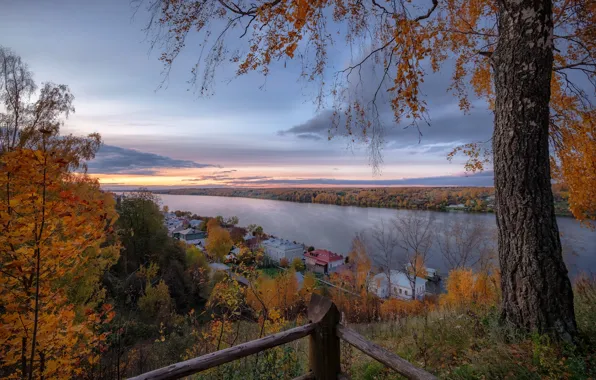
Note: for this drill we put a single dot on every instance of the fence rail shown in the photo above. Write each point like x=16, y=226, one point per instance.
x=324, y=332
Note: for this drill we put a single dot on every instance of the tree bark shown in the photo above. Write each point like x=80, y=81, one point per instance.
x=537, y=293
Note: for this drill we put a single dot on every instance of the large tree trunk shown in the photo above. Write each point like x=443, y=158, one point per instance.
x=537, y=294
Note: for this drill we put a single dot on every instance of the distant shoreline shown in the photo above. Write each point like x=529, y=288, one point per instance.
x=478, y=204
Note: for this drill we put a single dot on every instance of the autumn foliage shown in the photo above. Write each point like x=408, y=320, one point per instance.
x=466, y=289
x=53, y=226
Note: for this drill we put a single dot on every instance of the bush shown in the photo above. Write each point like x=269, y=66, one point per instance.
x=284, y=263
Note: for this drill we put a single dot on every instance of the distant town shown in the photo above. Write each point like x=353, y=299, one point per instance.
x=280, y=254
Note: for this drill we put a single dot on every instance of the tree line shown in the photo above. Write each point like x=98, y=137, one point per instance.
x=475, y=199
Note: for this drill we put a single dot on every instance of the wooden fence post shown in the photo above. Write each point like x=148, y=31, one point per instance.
x=324, y=352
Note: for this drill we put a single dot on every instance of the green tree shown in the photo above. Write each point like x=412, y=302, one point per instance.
x=141, y=229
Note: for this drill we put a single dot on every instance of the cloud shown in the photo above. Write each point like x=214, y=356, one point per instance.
x=116, y=160
x=446, y=124
x=309, y=136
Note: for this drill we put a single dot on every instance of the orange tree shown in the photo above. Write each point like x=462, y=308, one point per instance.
x=521, y=55
x=50, y=230
x=56, y=236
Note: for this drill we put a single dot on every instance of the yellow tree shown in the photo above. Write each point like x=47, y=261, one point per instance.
x=50, y=231
x=523, y=56
x=219, y=242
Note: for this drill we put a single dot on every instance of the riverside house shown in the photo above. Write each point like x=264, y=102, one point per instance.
x=278, y=249
x=189, y=235
x=323, y=261
x=401, y=286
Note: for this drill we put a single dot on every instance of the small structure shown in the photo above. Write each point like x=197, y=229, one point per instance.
x=215, y=267
x=323, y=261
x=400, y=284
x=278, y=249
x=189, y=235
x=459, y=207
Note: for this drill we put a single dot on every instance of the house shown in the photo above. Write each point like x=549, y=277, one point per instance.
x=189, y=235
x=323, y=261
x=195, y=223
x=233, y=253
x=400, y=284
x=278, y=249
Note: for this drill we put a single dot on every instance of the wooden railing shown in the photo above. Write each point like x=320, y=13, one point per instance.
x=324, y=332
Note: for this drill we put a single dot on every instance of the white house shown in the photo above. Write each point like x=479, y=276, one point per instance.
x=400, y=284
x=278, y=249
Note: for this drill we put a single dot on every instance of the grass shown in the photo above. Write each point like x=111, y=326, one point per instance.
x=461, y=345
x=271, y=272
x=475, y=345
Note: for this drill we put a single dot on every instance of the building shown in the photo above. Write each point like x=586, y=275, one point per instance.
x=278, y=249
x=195, y=223
x=323, y=261
x=401, y=286
x=189, y=235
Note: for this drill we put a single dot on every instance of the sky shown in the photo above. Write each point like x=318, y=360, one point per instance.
x=158, y=132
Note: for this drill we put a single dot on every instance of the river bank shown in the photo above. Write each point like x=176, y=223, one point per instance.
x=333, y=227
x=461, y=199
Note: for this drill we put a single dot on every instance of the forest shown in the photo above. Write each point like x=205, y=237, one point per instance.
x=473, y=199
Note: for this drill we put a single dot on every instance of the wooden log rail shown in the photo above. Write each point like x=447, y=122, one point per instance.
x=324, y=332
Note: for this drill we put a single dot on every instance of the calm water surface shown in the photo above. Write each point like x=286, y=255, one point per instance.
x=333, y=227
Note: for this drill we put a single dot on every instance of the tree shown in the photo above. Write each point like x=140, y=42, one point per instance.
x=237, y=234
x=298, y=264
x=520, y=55
x=219, y=243
x=141, y=230
x=461, y=242
x=51, y=229
x=258, y=231
x=56, y=234
x=415, y=237
x=384, y=239
x=359, y=260
x=231, y=221
x=26, y=124
x=212, y=224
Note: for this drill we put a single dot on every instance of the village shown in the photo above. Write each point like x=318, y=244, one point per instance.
x=281, y=254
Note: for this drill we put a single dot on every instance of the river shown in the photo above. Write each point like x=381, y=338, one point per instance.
x=332, y=227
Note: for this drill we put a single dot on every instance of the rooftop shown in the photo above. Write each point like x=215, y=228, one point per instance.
x=323, y=256
x=281, y=243
x=398, y=278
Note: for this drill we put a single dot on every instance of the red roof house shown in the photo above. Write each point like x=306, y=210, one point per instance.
x=323, y=261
